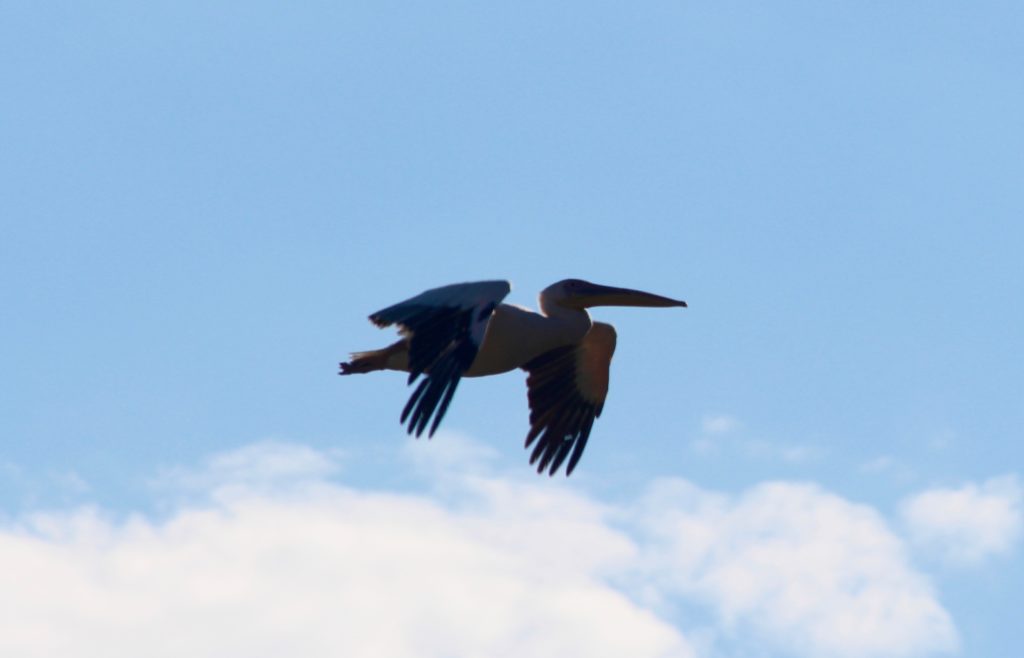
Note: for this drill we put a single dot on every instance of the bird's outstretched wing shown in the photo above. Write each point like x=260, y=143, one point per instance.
x=445, y=327
x=567, y=387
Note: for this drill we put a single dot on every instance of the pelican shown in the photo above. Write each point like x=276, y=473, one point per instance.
x=463, y=330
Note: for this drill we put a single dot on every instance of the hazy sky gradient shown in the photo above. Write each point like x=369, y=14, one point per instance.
x=202, y=203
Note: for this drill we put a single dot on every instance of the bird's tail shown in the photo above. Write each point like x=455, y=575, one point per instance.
x=361, y=362
x=392, y=357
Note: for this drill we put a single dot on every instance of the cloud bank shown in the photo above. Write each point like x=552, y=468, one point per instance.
x=802, y=569
x=968, y=524
x=281, y=557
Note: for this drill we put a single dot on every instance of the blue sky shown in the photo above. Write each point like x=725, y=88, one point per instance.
x=201, y=205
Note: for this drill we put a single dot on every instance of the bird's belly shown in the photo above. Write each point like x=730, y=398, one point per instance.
x=493, y=362
x=516, y=336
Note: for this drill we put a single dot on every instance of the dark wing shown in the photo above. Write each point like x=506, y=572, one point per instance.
x=445, y=327
x=567, y=387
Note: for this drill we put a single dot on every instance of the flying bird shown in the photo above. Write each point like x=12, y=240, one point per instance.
x=463, y=330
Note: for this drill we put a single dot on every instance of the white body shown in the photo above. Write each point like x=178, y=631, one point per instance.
x=515, y=336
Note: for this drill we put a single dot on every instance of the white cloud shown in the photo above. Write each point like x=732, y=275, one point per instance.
x=481, y=565
x=453, y=453
x=720, y=424
x=703, y=446
x=878, y=464
x=760, y=449
x=807, y=570
x=967, y=524
x=312, y=568
x=719, y=436
x=262, y=464
x=754, y=449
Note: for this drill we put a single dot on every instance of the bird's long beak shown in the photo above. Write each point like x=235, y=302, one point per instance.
x=596, y=295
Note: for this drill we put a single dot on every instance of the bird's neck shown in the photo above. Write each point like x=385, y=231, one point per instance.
x=574, y=321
